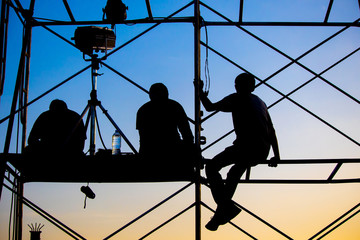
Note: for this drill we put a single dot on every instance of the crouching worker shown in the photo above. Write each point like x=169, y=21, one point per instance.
x=57, y=132
x=255, y=135
x=160, y=123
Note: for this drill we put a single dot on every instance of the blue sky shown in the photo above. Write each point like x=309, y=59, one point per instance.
x=165, y=54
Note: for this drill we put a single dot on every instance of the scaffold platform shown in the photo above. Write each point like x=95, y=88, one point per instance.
x=132, y=168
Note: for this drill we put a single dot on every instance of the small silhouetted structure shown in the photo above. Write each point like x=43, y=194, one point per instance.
x=35, y=231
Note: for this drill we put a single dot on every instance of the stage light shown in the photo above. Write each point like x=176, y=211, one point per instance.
x=91, y=38
x=115, y=11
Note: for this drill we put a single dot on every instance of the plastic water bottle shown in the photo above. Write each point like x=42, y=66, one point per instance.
x=116, y=143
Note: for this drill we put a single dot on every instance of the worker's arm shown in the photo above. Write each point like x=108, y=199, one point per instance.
x=275, y=147
x=208, y=105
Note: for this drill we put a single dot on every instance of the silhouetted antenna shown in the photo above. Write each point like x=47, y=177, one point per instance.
x=36, y=228
x=35, y=231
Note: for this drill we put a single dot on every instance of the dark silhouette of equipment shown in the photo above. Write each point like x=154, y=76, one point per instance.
x=115, y=12
x=88, y=192
x=88, y=40
x=35, y=231
x=92, y=38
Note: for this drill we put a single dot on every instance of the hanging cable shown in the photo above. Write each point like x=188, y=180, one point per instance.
x=85, y=201
x=12, y=202
x=88, y=193
x=207, y=71
x=98, y=127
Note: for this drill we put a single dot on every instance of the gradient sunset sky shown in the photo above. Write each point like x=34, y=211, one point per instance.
x=165, y=54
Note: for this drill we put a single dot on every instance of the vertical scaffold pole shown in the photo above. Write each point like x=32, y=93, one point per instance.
x=3, y=42
x=3, y=50
x=197, y=117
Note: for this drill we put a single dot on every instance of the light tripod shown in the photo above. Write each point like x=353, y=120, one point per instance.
x=93, y=103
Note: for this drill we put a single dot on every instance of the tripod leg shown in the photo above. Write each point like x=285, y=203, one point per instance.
x=87, y=121
x=117, y=128
x=92, y=129
x=78, y=123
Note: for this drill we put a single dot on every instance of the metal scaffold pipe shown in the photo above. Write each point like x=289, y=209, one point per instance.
x=197, y=117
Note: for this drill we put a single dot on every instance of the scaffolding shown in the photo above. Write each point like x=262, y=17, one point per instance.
x=14, y=181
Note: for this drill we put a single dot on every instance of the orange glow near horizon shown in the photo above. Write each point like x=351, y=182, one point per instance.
x=166, y=54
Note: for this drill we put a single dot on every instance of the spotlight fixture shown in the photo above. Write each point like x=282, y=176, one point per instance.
x=91, y=38
x=115, y=11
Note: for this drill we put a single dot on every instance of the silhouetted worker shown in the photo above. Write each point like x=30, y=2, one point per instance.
x=254, y=136
x=58, y=131
x=159, y=123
